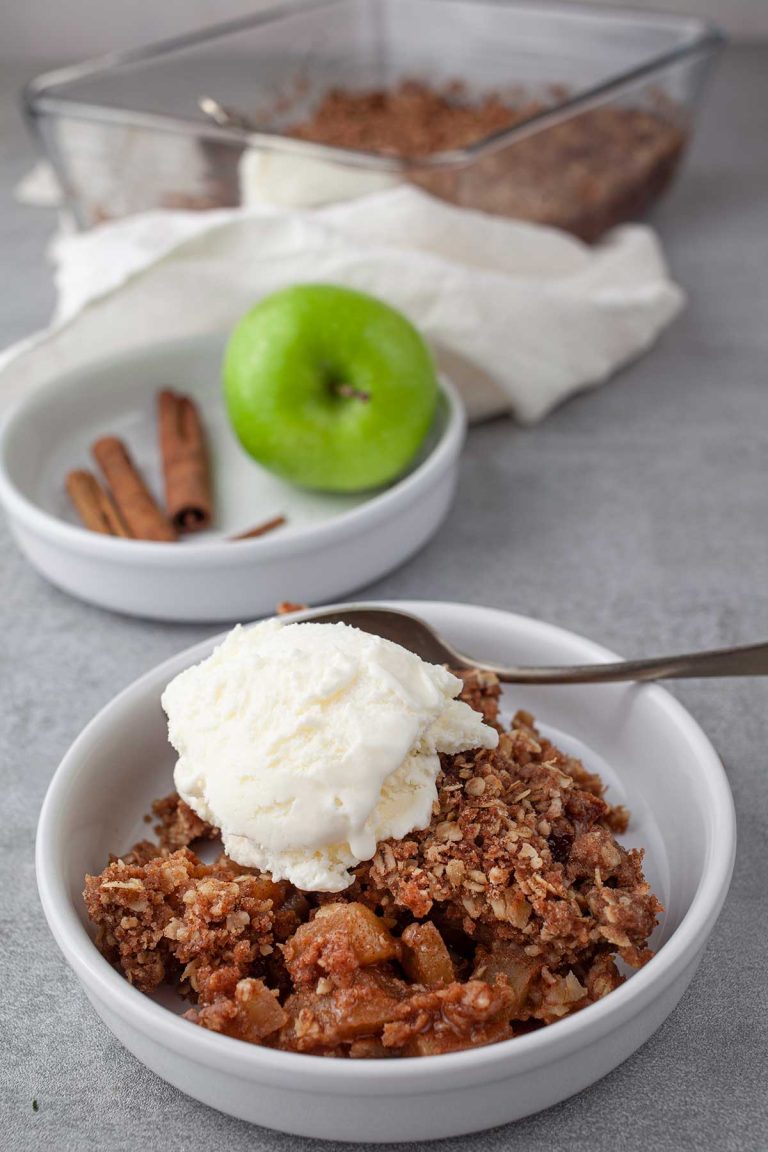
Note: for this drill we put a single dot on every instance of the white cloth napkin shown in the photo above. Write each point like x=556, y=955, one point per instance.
x=521, y=316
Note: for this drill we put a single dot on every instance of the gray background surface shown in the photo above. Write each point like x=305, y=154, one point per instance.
x=39, y=29
x=637, y=514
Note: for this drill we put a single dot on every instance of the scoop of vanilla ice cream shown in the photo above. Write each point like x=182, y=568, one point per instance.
x=307, y=744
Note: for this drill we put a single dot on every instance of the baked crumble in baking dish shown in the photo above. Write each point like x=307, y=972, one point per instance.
x=592, y=171
x=507, y=913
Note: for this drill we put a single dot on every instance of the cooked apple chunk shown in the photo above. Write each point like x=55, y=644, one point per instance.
x=337, y=943
x=425, y=957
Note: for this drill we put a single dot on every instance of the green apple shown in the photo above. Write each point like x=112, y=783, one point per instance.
x=329, y=388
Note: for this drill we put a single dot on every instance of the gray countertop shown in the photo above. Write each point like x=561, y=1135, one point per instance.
x=637, y=514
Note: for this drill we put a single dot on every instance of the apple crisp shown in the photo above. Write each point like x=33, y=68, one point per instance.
x=596, y=169
x=507, y=913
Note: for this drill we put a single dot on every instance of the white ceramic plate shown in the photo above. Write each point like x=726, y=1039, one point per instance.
x=655, y=758
x=330, y=545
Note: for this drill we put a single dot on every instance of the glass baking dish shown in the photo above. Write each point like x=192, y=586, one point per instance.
x=604, y=101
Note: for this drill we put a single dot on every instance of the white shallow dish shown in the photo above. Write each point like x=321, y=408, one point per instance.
x=655, y=758
x=331, y=544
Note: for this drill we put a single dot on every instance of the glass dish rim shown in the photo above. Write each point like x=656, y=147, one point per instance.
x=46, y=93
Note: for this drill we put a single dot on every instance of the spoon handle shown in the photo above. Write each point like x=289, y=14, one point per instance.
x=751, y=660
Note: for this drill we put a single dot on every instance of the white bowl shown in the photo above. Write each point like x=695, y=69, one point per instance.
x=331, y=544
x=655, y=758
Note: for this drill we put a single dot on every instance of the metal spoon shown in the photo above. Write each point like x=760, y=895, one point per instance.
x=225, y=117
x=413, y=634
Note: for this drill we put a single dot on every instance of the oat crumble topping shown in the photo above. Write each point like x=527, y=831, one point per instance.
x=586, y=174
x=507, y=913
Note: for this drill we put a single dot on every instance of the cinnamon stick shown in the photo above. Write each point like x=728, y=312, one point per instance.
x=260, y=529
x=135, y=502
x=94, y=505
x=186, y=471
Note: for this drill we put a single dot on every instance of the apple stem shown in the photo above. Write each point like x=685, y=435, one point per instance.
x=349, y=392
